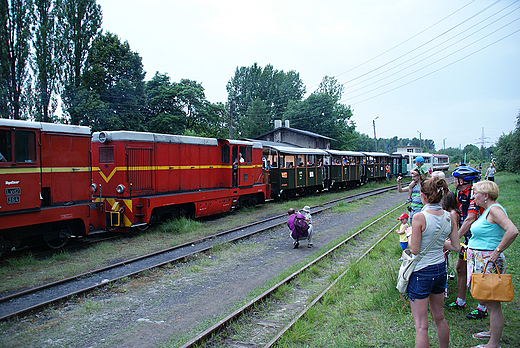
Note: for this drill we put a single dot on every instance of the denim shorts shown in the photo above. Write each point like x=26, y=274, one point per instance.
x=403, y=245
x=429, y=280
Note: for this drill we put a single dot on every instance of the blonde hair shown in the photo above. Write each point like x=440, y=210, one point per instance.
x=487, y=187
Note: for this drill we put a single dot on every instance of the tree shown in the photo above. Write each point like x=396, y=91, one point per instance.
x=115, y=74
x=182, y=108
x=332, y=87
x=319, y=113
x=274, y=88
x=507, y=151
x=15, y=36
x=47, y=56
x=79, y=22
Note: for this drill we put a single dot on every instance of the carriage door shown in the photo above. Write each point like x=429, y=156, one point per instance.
x=139, y=169
x=234, y=155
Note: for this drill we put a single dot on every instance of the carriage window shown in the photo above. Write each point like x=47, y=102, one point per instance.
x=25, y=146
x=249, y=157
x=106, y=154
x=5, y=146
x=225, y=153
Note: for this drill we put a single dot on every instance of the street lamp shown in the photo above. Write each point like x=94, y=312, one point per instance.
x=420, y=141
x=374, y=123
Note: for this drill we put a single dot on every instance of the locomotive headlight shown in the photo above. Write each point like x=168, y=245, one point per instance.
x=120, y=188
x=93, y=188
x=102, y=137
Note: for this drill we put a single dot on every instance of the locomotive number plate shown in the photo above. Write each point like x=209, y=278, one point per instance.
x=13, y=191
x=13, y=199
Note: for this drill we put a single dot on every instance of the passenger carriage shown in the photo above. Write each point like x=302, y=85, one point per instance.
x=440, y=162
x=141, y=178
x=398, y=164
x=45, y=183
x=345, y=168
x=376, y=165
x=294, y=170
x=410, y=160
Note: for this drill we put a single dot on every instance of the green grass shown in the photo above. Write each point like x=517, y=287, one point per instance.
x=365, y=309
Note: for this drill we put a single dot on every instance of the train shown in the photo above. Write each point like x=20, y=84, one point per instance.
x=62, y=181
x=433, y=162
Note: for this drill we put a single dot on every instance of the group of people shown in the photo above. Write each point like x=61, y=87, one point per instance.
x=473, y=214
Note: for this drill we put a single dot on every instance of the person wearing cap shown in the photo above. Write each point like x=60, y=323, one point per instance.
x=401, y=231
x=306, y=211
x=414, y=191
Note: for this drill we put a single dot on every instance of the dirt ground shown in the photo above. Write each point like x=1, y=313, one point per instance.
x=162, y=308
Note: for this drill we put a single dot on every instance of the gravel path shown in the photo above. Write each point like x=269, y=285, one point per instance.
x=161, y=307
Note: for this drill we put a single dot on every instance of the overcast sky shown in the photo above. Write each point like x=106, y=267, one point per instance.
x=447, y=69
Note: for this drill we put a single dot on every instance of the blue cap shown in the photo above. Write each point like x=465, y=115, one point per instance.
x=419, y=159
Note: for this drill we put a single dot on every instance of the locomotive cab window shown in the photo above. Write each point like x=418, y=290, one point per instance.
x=25, y=147
x=5, y=146
x=249, y=154
x=225, y=153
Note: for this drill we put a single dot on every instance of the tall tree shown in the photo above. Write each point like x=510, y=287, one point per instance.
x=116, y=75
x=182, y=108
x=79, y=23
x=47, y=56
x=15, y=37
x=319, y=113
x=274, y=88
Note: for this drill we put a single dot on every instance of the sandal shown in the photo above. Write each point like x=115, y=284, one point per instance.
x=309, y=245
x=481, y=346
x=481, y=335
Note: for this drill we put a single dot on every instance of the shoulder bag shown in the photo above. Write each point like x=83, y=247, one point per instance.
x=492, y=287
x=409, y=262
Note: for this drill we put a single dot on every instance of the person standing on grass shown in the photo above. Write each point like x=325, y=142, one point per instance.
x=415, y=192
x=492, y=233
x=428, y=281
x=463, y=178
x=490, y=173
x=401, y=231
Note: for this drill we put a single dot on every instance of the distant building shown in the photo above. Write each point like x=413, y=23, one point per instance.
x=296, y=137
x=408, y=149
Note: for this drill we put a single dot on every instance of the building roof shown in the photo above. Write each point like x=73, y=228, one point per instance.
x=311, y=134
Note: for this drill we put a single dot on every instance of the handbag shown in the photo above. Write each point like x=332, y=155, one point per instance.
x=491, y=286
x=409, y=262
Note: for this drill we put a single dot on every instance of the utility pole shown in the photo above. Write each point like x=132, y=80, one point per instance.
x=374, y=124
x=420, y=141
x=231, y=119
x=444, y=144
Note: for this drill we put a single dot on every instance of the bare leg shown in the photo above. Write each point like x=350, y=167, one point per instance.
x=420, y=318
x=496, y=322
x=462, y=275
x=443, y=331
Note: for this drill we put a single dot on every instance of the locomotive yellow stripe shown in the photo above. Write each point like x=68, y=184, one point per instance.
x=36, y=170
x=144, y=168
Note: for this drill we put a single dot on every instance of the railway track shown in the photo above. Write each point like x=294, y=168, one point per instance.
x=33, y=299
x=266, y=318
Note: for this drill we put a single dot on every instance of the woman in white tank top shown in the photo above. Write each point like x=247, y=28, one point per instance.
x=428, y=281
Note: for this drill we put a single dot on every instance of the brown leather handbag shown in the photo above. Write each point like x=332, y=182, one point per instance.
x=492, y=287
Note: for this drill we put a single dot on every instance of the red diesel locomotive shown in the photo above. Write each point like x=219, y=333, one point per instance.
x=141, y=178
x=59, y=181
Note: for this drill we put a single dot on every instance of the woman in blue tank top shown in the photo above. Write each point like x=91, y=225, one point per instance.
x=492, y=233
